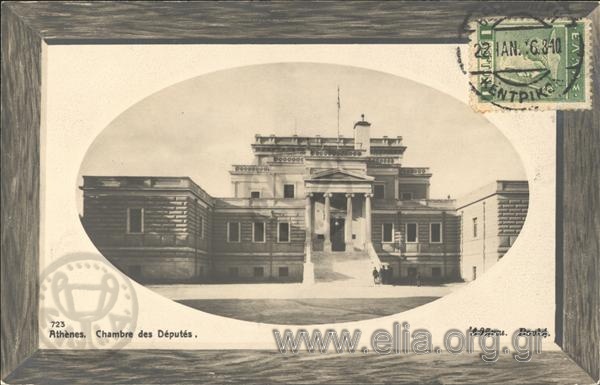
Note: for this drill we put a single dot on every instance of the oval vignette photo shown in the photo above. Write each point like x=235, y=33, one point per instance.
x=302, y=193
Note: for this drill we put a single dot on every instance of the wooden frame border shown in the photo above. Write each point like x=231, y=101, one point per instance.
x=26, y=26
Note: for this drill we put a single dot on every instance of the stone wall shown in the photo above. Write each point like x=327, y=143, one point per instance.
x=449, y=267
x=269, y=183
x=418, y=190
x=246, y=218
x=175, y=243
x=388, y=182
x=271, y=265
x=500, y=208
x=423, y=256
x=166, y=219
x=479, y=252
x=161, y=265
x=184, y=237
x=245, y=256
x=512, y=211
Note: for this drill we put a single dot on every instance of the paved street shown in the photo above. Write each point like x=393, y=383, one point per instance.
x=303, y=304
x=297, y=290
x=306, y=311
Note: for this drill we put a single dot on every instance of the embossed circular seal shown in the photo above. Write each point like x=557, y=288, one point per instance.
x=86, y=303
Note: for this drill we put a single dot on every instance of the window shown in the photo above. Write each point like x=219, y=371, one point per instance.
x=474, y=227
x=379, y=191
x=233, y=231
x=135, y=221
x=406, y=196
x=288, y=190
x=284, y=271
x=234, y=272
x=258, y=232
x=388, y=233
x=435, y=233
x=259, y=271
x=411, y=233
x=201, y=227
x=254, y=194
x=436, y=272
x=283, y=232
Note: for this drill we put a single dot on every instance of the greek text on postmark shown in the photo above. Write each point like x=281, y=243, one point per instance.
x=529, y=64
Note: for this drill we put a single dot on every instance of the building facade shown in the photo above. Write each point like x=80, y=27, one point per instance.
x=307, y=209
x=491, y=220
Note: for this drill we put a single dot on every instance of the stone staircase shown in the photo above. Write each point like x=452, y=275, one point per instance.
x=352, y=268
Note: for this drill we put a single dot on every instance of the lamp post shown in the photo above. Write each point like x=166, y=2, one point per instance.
x=348, y=224
x=271, y=222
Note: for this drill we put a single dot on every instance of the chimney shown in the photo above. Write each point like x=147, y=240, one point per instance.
x=362, y=136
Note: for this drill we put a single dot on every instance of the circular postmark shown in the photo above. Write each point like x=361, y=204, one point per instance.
x=524, y=62
x=86, y=303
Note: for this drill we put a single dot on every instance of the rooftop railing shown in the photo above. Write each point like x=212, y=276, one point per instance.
x=336, y=152
x=250, y=169
x=385, y=160
x=322, y=141
x=288, y=159
x=414, y=171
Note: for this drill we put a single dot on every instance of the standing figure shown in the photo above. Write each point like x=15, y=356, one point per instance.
x=375, y=276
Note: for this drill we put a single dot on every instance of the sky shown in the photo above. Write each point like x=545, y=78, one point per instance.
x=201, y=126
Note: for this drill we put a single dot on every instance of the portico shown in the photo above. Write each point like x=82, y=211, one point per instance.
x=338, y=211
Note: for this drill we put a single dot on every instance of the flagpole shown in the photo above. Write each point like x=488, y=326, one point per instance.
x=338, y=115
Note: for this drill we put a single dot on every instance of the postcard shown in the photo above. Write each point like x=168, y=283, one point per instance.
x=261, y=209
x=217, y=197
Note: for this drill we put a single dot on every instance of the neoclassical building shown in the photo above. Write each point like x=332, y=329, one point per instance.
x=308, y=209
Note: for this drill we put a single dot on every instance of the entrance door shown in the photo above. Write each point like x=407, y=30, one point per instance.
x=412, y=272
x=337, y=234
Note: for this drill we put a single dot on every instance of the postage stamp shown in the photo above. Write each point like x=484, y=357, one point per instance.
x=530, y=64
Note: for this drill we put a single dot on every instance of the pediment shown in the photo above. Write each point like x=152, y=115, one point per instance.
x=340, y=175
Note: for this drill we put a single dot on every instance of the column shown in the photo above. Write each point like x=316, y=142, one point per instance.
x=327, y=243
x=309, y=225
x=348, y=227
x=308, y=277
x=368, y=218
